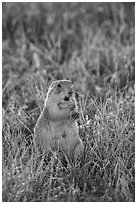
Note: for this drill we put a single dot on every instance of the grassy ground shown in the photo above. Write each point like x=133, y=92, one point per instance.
x=91, y=44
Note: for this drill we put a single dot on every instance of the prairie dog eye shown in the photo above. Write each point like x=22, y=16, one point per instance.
x=58, y=90
x=59, y=85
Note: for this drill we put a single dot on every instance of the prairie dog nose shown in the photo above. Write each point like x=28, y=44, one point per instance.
x=66, y=98
x=70, y=93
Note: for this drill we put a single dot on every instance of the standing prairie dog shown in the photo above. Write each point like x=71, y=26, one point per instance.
x=56, y=127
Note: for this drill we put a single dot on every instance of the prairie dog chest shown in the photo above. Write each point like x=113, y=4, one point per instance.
x=64, y=130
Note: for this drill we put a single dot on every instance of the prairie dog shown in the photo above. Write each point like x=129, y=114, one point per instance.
x=56, y=127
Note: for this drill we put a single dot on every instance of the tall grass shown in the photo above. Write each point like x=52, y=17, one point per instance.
x=92, y=44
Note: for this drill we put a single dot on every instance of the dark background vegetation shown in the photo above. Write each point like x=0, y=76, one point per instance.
x=93, y=45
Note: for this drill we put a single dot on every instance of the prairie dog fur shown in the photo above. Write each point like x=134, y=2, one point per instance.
x=56, y=127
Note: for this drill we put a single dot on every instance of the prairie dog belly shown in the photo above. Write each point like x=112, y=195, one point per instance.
x=68, y=140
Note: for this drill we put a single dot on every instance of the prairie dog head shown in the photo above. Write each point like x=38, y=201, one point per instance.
x=60, y=99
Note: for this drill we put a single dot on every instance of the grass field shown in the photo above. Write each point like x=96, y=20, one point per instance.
x=93, y=45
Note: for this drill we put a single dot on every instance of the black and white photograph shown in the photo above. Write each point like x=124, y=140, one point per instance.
x=68, y=101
